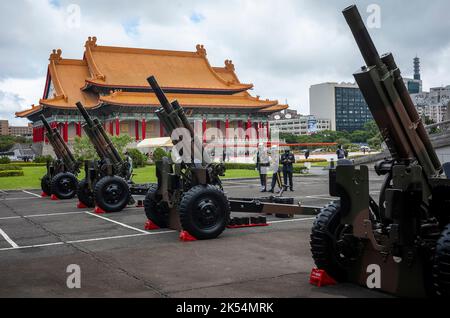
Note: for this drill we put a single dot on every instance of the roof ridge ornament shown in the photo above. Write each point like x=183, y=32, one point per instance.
x=91, y=42
x=229, y=65
x=56, y=55
x=201, y=50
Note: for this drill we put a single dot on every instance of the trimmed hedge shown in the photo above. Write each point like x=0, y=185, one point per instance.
x=11, y=173
x=28, y=164
x=252, y=166
x=5, y=160
x=10, y=167
x=312, y=160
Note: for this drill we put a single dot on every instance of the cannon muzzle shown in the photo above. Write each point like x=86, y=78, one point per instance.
x=362, y=36
x=85, y=114
x=160, y=94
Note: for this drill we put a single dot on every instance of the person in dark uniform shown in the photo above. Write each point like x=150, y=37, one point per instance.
x=288, y=160
x=340, y=153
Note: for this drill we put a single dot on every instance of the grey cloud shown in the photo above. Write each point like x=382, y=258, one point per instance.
x=282, y=47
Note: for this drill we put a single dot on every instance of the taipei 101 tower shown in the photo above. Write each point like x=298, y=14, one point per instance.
x=417, y=68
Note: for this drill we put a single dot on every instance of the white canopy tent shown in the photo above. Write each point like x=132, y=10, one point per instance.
x=152, y=143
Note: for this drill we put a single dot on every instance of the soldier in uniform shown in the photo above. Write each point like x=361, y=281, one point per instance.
x=288, y=160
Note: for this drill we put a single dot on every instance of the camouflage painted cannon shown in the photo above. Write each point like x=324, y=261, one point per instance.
x=406, y=232
x=108, y=183
x=61, y=177
x=189, y=194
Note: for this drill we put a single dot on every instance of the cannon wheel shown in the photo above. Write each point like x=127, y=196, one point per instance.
x=155, y=211
x=64, y=185
x=85, y=194
x=112, y=194
x=441, y=265
x=46, y=184
x=204, y=212
x=324, y=236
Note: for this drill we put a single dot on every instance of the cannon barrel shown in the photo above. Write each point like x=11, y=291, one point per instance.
x=160, y=94
x=46, y=124
x=389, y=61
x=362, y=36
x=99, y=138
x=386, y=95
x=61, y=149
x=85, y=114
x=172, y=116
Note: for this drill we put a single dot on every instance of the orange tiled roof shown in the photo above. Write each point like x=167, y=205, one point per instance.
x=113, y=66
x=130, y=67
x=30, y=111
x=228, y=72
x=274, y=109
x=68, y=76
x=188, y=100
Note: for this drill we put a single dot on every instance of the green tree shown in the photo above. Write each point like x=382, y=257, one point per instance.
x=375, y=142
x=84, y=150
x=6, y=143
x=139, y=159
x=360, y=136
x=159, y=153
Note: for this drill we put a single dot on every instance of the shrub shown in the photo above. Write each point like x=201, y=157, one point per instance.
x=28, y=164
x=4, y=167
x=43, y=159
x=5, y=160
x=139, y=159
x=312, y=160
x=11, y=173
x=252, y=166
x=159, y=153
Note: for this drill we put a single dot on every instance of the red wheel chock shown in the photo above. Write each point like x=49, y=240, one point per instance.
x=320, y=278
x=54, y=197
x=150, y=226
x=44, y=195
x=81, y=205
x=99, y=210
x=186, y=237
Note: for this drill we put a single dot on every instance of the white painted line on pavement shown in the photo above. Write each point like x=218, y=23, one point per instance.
x=33, y=194
x=40, y=215
x=291, y=220
x=12, y=199
x=116, y=222
x=87, y=240
x=8, y=239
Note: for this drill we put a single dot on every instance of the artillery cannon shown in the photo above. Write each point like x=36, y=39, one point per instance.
x=108, y=183
x=189, y=194
x=406, y=234
x=61, y=177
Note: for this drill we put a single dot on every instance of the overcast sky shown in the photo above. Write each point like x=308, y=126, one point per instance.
x=282, y=46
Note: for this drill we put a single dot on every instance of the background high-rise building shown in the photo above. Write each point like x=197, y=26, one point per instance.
x=414, y=84
x=433, y=104
x=342, y=103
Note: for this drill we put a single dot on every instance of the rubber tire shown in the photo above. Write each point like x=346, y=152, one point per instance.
x=46, y=184
x=100, y=196
x=85, y=195
x=156, y=213
x=441, y=265
x=322, y=247
x=56, y=188
x=186, y=208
